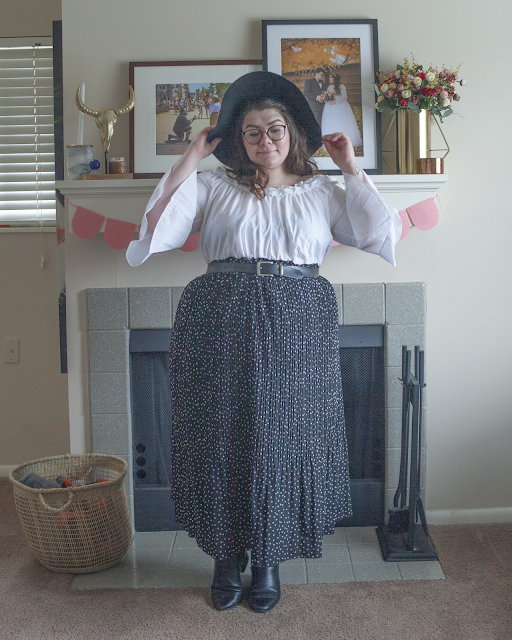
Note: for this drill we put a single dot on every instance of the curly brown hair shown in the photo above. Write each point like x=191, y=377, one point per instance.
x=297, y=162
x=337, y=82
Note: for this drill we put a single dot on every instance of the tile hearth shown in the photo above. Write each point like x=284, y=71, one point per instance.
x=172, y=560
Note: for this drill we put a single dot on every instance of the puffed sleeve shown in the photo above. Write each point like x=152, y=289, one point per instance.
x=181, y=217
x=360, y=218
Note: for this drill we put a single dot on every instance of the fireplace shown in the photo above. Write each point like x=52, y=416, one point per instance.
x=361, y=352
x=397, y=310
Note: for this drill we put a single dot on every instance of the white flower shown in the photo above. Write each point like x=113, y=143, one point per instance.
x=417, y=81
x=430, y=77
x=338, y=59
x=446, y=102
x=406, y=93
x=397, y=73
x=384, y=88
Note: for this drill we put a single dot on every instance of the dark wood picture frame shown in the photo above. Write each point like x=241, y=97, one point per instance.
x=274, y=31
x=143, y=75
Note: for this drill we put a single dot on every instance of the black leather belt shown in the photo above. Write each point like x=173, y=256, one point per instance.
x=264, y=268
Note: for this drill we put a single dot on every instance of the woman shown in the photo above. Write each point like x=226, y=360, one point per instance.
x=337, y=114
x=259, y=448
x=214, y=111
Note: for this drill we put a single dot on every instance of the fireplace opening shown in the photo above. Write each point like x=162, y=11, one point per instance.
x=362, y=365
x=362, y=374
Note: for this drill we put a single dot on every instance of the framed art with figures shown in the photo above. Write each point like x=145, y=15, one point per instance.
x=174, y=101
x=334, y=64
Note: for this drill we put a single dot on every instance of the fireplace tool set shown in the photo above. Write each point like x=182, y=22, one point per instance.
x=404, y=538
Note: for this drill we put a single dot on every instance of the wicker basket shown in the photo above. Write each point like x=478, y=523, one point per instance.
x=81, y=529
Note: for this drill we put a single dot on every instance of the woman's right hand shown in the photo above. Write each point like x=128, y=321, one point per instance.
x=199, y=147
x=197, y=150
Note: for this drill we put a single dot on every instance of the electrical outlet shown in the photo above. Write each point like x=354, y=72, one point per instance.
x=12, y=350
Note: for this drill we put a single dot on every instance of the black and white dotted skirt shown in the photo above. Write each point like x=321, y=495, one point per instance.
x=259, y=447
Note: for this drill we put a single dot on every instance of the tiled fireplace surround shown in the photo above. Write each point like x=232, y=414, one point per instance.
x=112, y=313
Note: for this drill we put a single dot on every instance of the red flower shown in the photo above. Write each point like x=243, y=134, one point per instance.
x=403, y=102
x=421, y=75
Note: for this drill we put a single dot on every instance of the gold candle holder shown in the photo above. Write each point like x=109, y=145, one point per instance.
x=413, y=143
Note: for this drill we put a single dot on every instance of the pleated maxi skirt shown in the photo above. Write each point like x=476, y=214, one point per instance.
x=259, y=446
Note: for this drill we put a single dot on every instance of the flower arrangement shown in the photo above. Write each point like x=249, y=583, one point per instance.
x=410, y=87
x=327, y=96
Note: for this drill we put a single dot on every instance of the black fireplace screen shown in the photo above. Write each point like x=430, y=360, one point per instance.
x=151, y=398
x=362, y=370
x=363, y=391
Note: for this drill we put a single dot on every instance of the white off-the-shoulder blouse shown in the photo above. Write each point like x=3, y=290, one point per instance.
x=295, y=223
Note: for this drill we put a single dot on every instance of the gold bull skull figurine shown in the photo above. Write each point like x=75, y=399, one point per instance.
x=105, y=118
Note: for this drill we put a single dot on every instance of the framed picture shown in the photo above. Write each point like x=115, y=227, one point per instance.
x=334, y=63
x=173, y=101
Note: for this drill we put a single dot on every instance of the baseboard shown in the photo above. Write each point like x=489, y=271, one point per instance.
x=469, y=516
x=441, y=516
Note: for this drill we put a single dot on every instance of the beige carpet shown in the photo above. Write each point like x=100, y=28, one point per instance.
x=473, y=603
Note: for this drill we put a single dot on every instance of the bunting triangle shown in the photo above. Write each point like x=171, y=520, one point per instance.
x=86, y=223
x=405, y=224
x=118, y=234
x=424, y=215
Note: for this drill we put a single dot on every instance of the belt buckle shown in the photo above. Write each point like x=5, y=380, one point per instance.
x=260, y=262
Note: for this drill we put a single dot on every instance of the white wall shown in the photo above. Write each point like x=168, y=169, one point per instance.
x=34, y=418
x=33, y=393
x=27, y=18
x=465, y=260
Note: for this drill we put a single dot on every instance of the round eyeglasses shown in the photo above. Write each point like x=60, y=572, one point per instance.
x=275, y=132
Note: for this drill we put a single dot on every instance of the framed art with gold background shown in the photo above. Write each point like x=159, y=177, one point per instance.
x=348, y=52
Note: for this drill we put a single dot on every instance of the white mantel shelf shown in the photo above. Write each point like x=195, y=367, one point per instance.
x=125, y=199
x=106, y=188
x=126, y=188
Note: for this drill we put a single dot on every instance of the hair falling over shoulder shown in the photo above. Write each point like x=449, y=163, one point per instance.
x=298, y=162
x=337, y=83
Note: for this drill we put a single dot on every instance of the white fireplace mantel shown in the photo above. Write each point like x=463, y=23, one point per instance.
x=130, y=196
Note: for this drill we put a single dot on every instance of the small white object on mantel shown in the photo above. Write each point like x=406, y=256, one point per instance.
x=130, y=196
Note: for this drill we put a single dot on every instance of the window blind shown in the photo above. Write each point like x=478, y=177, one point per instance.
x=27, y=163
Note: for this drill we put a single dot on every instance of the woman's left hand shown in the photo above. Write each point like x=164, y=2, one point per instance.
x=340, y=148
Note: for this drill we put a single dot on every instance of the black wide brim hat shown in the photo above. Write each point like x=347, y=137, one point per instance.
x=256, y=86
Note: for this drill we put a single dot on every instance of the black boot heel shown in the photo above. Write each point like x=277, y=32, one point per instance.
x=227, y=583
x=265, y=588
